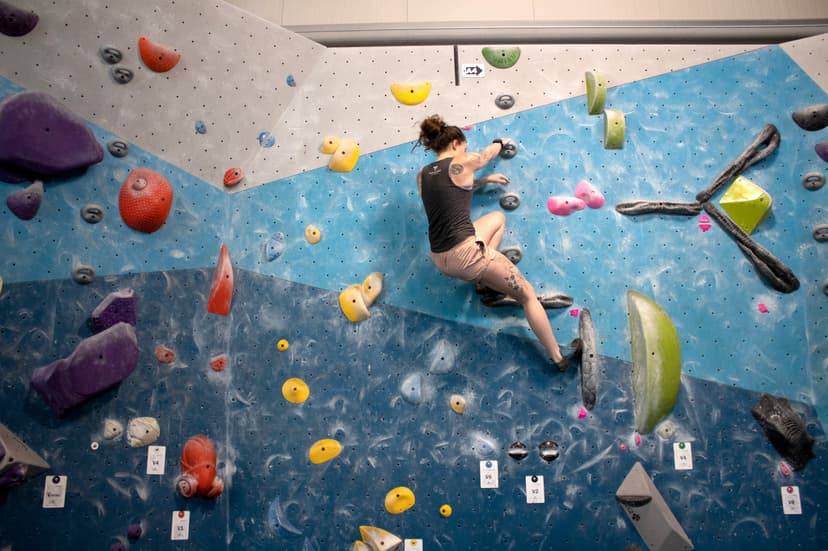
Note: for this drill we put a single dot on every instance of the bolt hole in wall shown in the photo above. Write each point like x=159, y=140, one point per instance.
x=417, y=406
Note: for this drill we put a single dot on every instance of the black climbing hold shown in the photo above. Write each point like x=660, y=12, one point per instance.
x=813, y=181
x=821, y=232
x=518, y=451
x=513, y=253
x=549, y=451
x=785, y=429
x=92, y=213
x=505, y=101
x=111, y=55
x=118, y=148
x=122, y=75
x=510, y=201
x=508, y=151
x=813, y=117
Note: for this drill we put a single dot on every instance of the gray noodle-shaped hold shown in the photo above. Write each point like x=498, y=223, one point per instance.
x=773, y=270
x=785, y=430
x=589, y=359
x=547, y=300
x=636, y=208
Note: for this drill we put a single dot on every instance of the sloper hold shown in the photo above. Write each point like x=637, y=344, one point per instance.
x=812, y=118
x=345, y=158
x=98, y=362
x=411, y=93
x=16, y=22
x=650, y=514
x=24, y=203
x=221, y=291
x=379, y=539
x=398, y=500
x=41, y=137
x=785, y=429
x=156, y=56
x=502, y=58
x=352, y=303
x=117, y=307
x=145, y=200
x=18, y=462
x=412, y=388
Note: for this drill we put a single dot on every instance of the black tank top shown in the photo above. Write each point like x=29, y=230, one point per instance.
x=447, y=207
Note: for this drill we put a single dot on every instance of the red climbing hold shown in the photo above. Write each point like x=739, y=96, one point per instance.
x=157, y=57
x=221, y=292
x=233, y=176
x=145, y=200
x=219, y=363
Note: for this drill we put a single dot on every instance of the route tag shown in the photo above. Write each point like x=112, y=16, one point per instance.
x=683, y=456
x=54, y=492
x=413, y=545
x=791, y=503
x=180, y=525
x=488, y=474
x=534, y=489
x=156, y=457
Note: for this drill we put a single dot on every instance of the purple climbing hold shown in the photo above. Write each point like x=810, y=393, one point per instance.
x=15, y=21
x=41, y=137
x=822, y=150
x=13, y=476
x=117, y=307
x=134, y=531
x=117, y=546
x=24, y=203
x=99, y=362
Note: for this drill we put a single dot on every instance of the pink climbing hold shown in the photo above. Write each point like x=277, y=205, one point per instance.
x=622, y=446
x=762, y=308
x=589, y=194
x=164, y=354
x=704, y=223
x=784, y=469
x=574, y=312
x=564, y=205
x=582, y=413
x=637, y=439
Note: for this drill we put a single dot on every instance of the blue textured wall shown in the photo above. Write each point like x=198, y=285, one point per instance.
x=682, y=129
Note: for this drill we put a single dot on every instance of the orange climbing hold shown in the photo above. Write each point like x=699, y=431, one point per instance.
x=221, y=291
x=156, y=56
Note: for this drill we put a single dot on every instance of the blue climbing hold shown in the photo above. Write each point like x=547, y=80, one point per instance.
x=291, y=81
x=266, y=139
x=200, y=127
x=274, y=246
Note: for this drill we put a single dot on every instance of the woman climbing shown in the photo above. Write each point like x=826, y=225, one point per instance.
x=466, y=249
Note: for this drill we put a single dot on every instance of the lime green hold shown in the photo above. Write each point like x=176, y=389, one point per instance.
x=746, y=203
x=656, y=358
x=502, y=58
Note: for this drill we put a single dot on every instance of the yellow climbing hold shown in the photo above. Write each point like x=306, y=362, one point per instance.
x=596, y=89
x=372, y=287
x=445, y=510
x=613, y=129
x=345, y=157
x=295, y=390
x=457, y=403
x=282, y=345
x=379, y=539
x=399, y=500
x=746, y=203
x=313, y=234
x=329, y=145
x=360, y=546
x=324, y=450
x=411, y=93
x=353, y=304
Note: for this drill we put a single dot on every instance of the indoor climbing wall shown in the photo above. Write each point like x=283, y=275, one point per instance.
x=322, y=425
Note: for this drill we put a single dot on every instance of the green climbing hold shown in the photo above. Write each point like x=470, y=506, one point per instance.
x=502, y=58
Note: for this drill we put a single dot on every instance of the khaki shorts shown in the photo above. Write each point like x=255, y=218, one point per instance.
x=472, y=260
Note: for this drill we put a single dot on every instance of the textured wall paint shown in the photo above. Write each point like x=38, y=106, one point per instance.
x=683, y=128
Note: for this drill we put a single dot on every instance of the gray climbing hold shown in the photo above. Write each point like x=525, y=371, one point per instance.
x=118, y=148
x=549, y=451
x=92, y=213
x=508, y=151
x=825, y=287
x=412, y=388
x=813, y=181
x=15, y=21
x=111, y=55
x=505, y=101
x=518, y=451
x=510, y=201
x=821, y=232
x=513, y=253
x=813, y=117
x=589, y=359
x=83, y=274
x=122, y=75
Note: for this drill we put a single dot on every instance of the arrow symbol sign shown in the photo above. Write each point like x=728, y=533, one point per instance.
x=473, y=70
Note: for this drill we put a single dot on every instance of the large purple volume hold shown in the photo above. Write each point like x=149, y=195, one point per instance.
x=41, y=137
x=16, y=22
x=117, y=307
x=98, y=363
